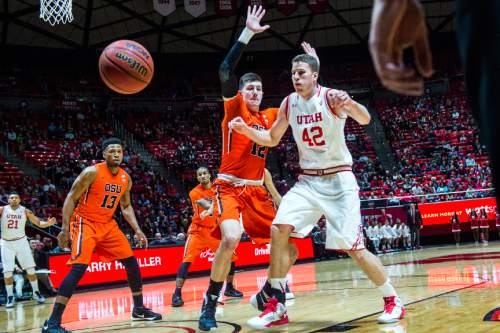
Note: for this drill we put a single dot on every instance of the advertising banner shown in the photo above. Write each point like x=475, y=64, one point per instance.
x=441, y=212
x=163, y=261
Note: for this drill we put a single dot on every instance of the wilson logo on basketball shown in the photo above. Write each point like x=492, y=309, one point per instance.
x=134, y=64
x=138, y=49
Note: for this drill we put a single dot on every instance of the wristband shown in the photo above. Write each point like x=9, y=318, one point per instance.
x=246, y=35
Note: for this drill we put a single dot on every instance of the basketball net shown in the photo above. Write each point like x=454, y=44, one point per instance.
x=56, y=11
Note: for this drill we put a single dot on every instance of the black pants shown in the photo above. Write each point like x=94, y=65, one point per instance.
x=319, y=250
x=478, y=34
x=415, y=237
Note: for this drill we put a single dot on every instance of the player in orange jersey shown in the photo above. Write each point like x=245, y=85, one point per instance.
x=200, y=236
x=239, y=186
x=88, y=215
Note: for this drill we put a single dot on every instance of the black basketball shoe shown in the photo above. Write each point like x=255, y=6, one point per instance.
x=144, y=313
x=207, y=318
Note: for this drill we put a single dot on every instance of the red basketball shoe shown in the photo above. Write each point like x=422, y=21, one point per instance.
x=273, y=315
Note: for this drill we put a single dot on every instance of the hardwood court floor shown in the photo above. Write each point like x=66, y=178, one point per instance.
x=446, y=289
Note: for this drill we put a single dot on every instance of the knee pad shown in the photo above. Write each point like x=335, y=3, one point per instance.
x=183, y=270
x=30, y=271
x=133, y=273
x=79, y=269
x=130, y=263
x=71, y=280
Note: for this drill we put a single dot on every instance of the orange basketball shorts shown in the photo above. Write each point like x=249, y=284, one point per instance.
x=198, y=242
x=254, y=204
x=106, y=239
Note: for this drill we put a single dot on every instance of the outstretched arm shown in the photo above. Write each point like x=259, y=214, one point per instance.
x=80, y=186
x=228, y=81
x=36, y=221
x=269, y=138
x=129, y=215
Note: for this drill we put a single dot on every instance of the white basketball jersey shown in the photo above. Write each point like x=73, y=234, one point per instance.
x=13, y=222
x=318, y=131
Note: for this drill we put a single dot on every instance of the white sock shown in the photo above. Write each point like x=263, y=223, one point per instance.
x=10, y=289
x=387, y=289
x=279, y=284
x=34, y=285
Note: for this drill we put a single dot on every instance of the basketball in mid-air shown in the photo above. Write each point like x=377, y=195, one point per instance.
x=126, y=67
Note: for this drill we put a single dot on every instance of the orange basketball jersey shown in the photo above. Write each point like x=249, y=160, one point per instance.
x=197, y=224
x=241, y=157
x=99, y=203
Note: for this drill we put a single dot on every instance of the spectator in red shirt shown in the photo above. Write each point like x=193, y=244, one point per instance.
x=383, y=218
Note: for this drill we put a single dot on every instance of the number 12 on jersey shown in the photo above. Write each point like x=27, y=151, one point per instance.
x=259, y=151
x=313, y=136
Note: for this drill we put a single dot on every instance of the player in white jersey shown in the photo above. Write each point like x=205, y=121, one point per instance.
x=405, y=235
x=389, y=234
x=14, y=244
x=399, y=228
x=373, y=233
x=327, y=186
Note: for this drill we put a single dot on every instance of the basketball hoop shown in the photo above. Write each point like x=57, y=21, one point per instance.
x=56, y=11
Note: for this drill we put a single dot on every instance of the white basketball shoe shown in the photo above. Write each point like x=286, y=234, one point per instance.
x=394, y=310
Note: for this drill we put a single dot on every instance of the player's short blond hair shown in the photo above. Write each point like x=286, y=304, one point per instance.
x=308, y=59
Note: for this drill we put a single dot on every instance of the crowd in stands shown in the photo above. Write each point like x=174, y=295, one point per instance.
x=61, y=145
x=433, y=138
x=183, y=140
x=437, y=147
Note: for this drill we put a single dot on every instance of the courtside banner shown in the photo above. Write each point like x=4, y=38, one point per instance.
x=441, y=212
x=164, y=261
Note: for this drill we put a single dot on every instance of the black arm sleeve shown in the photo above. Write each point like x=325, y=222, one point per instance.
x=228, y=81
